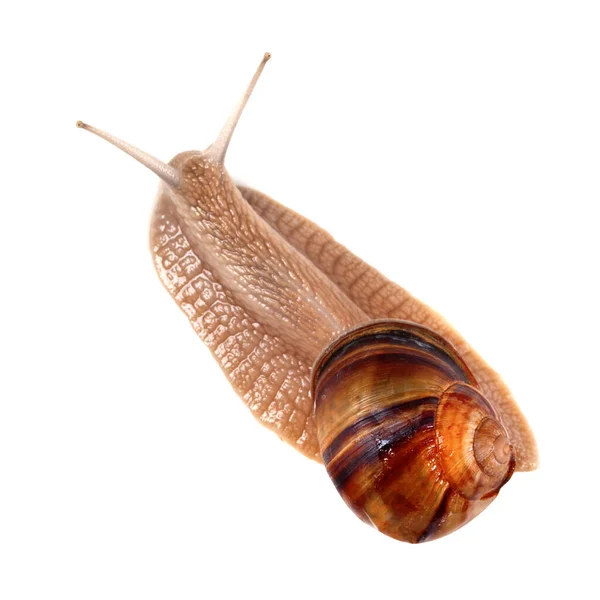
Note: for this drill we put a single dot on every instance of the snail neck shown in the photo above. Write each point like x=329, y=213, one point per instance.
x=269, y=278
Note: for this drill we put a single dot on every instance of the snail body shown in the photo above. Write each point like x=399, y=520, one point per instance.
x=283, y=308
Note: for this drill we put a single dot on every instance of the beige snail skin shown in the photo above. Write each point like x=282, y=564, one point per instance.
x=416, y=431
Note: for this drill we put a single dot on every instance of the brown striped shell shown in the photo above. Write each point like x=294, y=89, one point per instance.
x=410, y=443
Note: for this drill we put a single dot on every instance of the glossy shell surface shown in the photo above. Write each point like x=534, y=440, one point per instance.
x=408, y=440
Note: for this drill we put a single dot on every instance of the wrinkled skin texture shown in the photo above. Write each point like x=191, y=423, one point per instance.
x=267, y=290
x=380, y=298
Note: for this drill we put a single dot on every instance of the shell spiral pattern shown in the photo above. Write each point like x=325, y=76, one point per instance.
x=410, y=443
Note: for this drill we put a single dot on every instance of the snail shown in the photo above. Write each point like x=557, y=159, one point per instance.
x=416, y=431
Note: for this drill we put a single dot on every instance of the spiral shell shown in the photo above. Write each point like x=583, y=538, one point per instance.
x=410, y=443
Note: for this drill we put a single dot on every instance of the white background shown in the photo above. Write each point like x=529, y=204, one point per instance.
x=453, y=145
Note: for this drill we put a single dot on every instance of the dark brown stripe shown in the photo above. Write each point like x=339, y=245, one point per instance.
x=373, y=419
x=370, y=449
x=404, y=338
x=437, y=519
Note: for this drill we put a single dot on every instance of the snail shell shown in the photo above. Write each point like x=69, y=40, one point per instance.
x=407, y=438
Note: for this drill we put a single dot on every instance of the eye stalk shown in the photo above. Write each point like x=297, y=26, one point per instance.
x=166, y=172
x=218, y=149
x=215, y=152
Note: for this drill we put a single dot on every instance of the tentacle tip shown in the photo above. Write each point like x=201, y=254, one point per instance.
x=266, y=57
x=80, y=124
